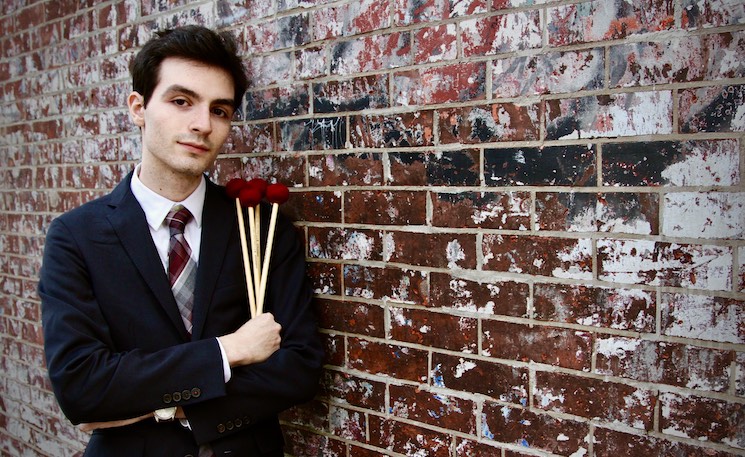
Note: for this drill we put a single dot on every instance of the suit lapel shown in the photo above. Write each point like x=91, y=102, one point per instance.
x=128, y=220
x=219, y=222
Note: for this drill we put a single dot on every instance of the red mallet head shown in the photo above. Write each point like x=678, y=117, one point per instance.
x=249, y=197
x=234, y=186
x=260, y=184
x=277, y=193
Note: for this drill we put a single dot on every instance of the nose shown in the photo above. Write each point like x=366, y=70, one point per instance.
x=201, y=122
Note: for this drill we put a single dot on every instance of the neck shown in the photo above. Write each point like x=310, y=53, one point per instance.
x=173, y=186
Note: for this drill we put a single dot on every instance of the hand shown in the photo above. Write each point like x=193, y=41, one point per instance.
x=89, y=427
x=254, y=342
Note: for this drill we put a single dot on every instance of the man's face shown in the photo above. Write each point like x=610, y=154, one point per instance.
x=187, y=118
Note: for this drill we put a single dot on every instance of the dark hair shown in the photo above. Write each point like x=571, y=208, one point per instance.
x=191, y=42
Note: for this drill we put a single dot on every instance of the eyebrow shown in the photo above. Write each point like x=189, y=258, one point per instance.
x=179, y=89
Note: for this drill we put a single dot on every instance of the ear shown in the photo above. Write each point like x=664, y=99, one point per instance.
x=136, y=103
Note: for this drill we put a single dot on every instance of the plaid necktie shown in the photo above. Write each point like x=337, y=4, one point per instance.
x=182, y=269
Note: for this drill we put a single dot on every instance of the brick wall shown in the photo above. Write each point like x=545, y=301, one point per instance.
x=524, y=218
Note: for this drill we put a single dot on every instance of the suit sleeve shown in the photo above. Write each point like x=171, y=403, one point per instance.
x=92, y=377
x=290, y=376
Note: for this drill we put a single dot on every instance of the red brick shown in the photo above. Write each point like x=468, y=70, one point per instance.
x=553, y=346
x=546, y=256
x=496, y=380
x=703, y=419
x=489, y=123
x=435, y=44
x=492, y=210
x=251, y=138
x=439, y=330
x=595, y=399
x=310, y=206
x=312, y=134
x=403, y=130
x=441, y=250
x=408, y=168
x=407, y=439
x=404, y=286
x=617, y=308
x=387, y=359
x=408, y=12
x=263, y=70
x=311, y=63
x=356, y=94
x=335, y=349
x=469, y=448
x=612, y=443
x=501, y=33
x=665, y=264
x=664, y=363
x=371, y=53
x=313, y=414
x=491, y=297
x=704, y=215
x=607, y=20
x=347, y=424
x=346, y=169
x=436, y=85
x=285, y=32
x=344, y=244
x=705, y=318
x=385, y=208
x=351, y=317
x=351, y=19
x=535, y=431
x=433, y=408
x=355, y=390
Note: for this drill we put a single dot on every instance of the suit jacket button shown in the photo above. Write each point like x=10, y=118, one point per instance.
x=167, y=398
x=177, y=396
x=220, y=428
x=196, y=392
x=239, y=423
x=186, y=395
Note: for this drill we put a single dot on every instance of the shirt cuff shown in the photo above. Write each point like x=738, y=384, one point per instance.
x=225, y=364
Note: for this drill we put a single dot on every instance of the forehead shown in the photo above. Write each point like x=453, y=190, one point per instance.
x=209, y=82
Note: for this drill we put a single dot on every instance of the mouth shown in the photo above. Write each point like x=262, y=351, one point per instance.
x=198, y=148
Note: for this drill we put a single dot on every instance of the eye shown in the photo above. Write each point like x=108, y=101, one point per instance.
x=179, y=101
x=222, y=112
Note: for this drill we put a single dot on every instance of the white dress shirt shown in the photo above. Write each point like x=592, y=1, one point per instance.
x=156, y=208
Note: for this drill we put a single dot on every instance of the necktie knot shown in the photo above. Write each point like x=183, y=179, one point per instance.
x=177, y=219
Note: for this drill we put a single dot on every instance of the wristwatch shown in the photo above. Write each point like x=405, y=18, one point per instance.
x=165, y=414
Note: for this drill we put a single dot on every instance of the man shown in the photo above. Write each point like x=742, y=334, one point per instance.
x=155, y=364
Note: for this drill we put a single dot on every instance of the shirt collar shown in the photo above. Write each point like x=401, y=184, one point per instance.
x=156, y=207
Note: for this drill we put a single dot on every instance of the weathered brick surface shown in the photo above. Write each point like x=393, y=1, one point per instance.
x=523, y=218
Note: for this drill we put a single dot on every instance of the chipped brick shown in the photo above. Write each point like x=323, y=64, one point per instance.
x=313, y=134
x=554, y=73
x=404, y=286
x=555, y=165
x=351, y=19
x=491, y=123
x=347, y=423
x=435, y=44
x=627, y=114
x=277, y=102
x=504, y=298
x=436, y=85
x=351, y=317
x=403, y=130
x=595, y=399
x=357, y=94
x=531, y=430
x=325, y=278
x=408, y=168
x=389, y=360
x=704, y=215
x=622, y=309
x=713, y=109
x=712, y=13
x=441, y=250
x=496, y=380
x=362, y=169
x=672, y=163
x=310, y=206
x=385, y=208
x=408, y=12
x=665, y=264
x=371, y=53
x=453, y=168
x=344, y=244
x=355, y=391
x=558, y=257
x=615, y=443
x=440, y=330
x=665, y=363
x=553, y=346
x=407, y=439
x=436, y=409
x=607, y=20
x=704, y=318
x=501, y=33
x=489, y=210
x=704, y=419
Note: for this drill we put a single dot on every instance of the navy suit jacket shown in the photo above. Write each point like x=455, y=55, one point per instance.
x=116, y=347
